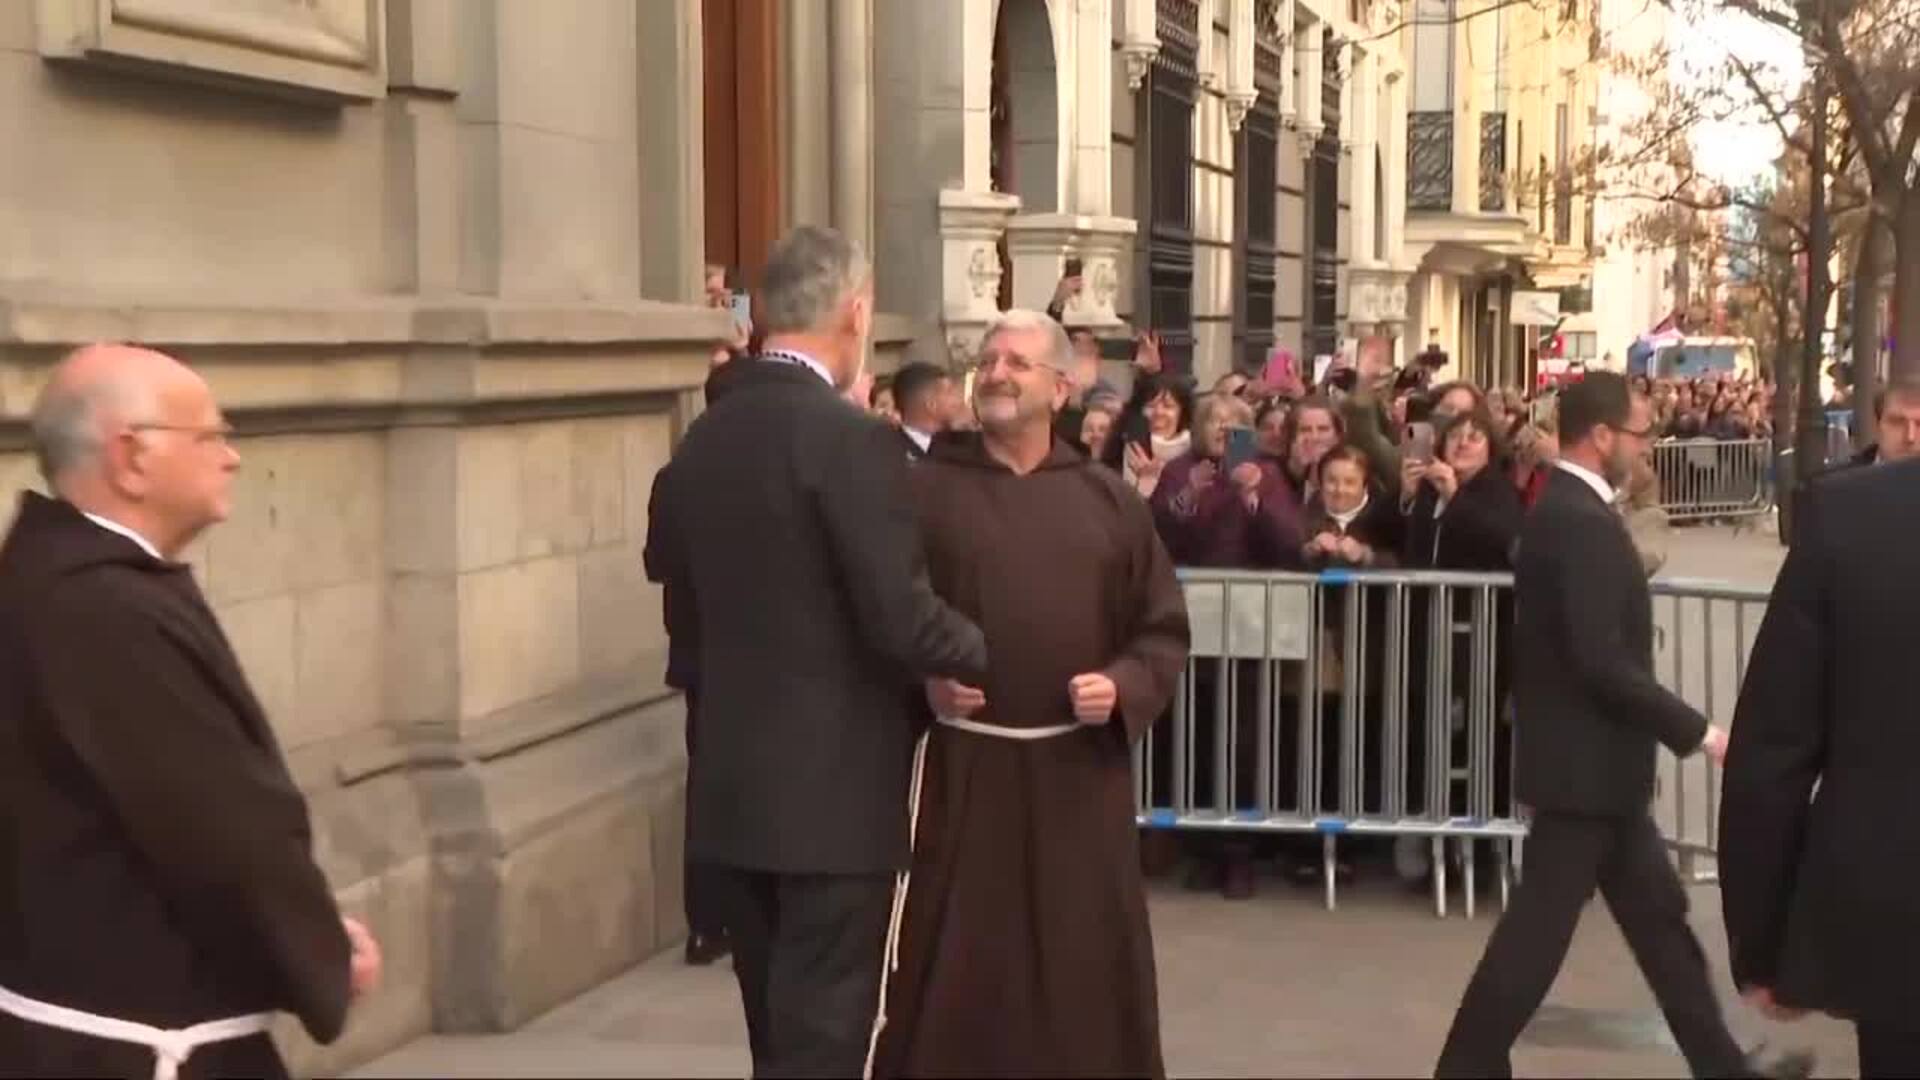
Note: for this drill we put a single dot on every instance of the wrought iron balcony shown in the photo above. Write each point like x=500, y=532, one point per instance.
x=1430, y=161
x=1493, y=161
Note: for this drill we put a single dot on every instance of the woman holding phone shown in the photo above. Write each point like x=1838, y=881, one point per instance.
x=1153, y=430
x=1218, y=505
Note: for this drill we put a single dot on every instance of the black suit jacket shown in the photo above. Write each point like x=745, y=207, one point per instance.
x=1589, y=710
x=783, y=525
x=1821, y=889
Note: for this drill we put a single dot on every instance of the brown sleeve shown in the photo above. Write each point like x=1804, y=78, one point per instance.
x=212, y=811
x=1153, y=654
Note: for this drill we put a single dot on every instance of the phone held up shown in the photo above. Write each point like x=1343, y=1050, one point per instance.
x=741, y=305
x=1243, y=447
x=1420, y=442
x=1073, y=267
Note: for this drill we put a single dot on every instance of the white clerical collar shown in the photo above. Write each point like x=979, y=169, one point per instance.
x=789, y=356
x=920, y=438
x=116, y=527
x=1592, y=479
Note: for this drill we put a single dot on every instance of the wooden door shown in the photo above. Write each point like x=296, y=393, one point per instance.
x=743, y=161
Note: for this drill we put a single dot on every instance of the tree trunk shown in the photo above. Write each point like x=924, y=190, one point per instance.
x=1867, y=268
x=1906, y=289
x=1786, y=365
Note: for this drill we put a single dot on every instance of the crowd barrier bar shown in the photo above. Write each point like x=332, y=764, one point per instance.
x=1703, y=478
x=1285, y=670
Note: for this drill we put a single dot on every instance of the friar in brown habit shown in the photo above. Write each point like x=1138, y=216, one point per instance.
x=159, y=901
x=1024, y=948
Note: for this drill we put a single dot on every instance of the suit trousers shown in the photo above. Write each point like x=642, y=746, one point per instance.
x=1887, y=1052
x=1567, y=857
x=697, y=882
x=807, y=950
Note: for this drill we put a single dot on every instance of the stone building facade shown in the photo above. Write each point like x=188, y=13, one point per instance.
x=442, y=261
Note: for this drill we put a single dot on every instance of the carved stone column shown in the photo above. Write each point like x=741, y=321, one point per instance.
x=971, y=224
x=1139, y=38
x=1040, y=245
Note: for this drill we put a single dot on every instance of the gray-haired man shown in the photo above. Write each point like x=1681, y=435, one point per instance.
x=784, y=526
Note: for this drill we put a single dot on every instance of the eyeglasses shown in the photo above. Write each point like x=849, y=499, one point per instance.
x=1017, y=365
x=217, y=434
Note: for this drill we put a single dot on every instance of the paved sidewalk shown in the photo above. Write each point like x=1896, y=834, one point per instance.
x=1275, y=986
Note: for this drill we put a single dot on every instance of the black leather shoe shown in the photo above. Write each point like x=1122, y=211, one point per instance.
x=704, y=949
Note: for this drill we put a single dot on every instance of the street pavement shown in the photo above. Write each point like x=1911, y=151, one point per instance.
x=1275, y=986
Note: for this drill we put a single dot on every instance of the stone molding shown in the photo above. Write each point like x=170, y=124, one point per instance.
x=27, y=319
x=1039, y=245
x=316, y=50
x=1377, y=296
x=971, y=224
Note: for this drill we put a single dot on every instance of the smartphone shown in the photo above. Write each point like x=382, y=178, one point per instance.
x=1420, y=442
x=1243, y=446
x=1073, y=267
x=741, y=305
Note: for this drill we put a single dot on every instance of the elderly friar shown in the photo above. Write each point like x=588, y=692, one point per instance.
x=159, y=901
x=1024, y=948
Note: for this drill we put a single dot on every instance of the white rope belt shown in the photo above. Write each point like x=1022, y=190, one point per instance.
x=890, y=958
x=961, y=723
x=171, y=1049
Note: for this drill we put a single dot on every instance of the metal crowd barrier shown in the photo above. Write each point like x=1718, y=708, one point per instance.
x=1349, y=705
x=1707, y=478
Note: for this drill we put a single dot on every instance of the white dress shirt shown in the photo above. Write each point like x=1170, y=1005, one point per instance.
x=1592, y=479
x=920, y=438
x=116, y=527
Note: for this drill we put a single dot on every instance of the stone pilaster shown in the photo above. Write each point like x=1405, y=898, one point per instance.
x=971, y=224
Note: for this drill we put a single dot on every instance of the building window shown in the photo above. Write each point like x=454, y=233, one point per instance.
x=1165, y=161
x=1256, y=232
x=1323, y=217
x=1493, y=162
x=742, y=166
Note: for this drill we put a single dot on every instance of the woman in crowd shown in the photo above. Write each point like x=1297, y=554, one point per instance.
x=1465, y=513
x=1096, y=427
x=1536, y=446
x=1313, y=427
x=1270, y=428
x=1351, y=525
x=1152, y=430
x=1210, y=513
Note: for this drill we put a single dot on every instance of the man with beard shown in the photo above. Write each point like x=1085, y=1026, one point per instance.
x=1024, y=948
x=1590, y=715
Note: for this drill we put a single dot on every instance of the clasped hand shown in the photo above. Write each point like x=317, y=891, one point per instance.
x=1093, y=697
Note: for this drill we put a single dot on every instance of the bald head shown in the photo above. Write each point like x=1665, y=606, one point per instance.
x=134, y=435
x=95, y=391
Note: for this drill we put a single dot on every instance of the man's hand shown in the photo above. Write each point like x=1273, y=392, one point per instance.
x=1761, y=999
x=1067, y=288
x=1715, y=744
x=1444, y=479
x=364, y=968
x=1354, y=551
x=952, y=699
x=1247, y=477
x=1094, y=697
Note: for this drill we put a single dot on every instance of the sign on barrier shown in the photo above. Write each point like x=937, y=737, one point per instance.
x=1250, y=620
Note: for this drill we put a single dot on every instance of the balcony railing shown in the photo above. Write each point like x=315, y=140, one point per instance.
x=1493, y=161
x=1430, y=161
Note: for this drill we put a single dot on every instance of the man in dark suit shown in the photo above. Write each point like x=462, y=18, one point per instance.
x=784, y=522
x=1817, y=842
x=924, y=396
x=1590, y=716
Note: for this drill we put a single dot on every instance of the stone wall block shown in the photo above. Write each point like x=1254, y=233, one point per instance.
x=619, y=611
x=335, y=510
x=576, y=905
x=599, y=490
x=262, y=632
x=669, y=820
x=489, y=493
x=519, y=633
x=422, y=649
x=552, y=521
x=646, y=444
x=257, y=546
x=340, y=651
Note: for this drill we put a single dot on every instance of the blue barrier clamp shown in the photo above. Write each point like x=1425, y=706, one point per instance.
x=1162, y=819
x=1334, y=826
x=1336, y=577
